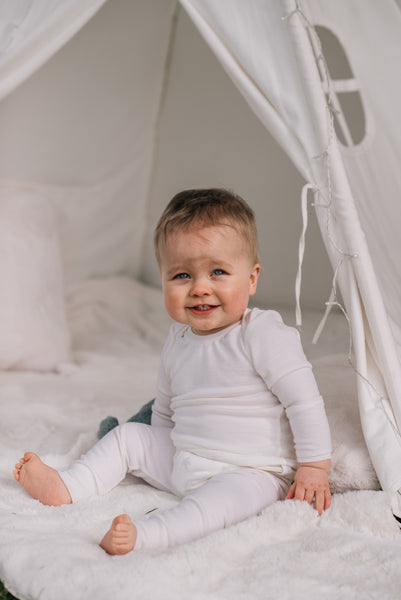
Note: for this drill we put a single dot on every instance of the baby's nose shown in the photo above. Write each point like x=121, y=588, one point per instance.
x=201, y=287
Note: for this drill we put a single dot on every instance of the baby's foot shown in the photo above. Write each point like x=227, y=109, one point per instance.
x=41, y=481
x=121, y=536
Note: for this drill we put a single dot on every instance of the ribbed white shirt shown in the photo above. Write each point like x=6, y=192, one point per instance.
x=245, y=395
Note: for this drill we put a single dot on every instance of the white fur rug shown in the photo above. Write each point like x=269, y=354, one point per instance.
x=49, y=553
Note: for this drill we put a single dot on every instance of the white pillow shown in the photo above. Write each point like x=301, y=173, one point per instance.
x=101, y=227
x=33, y=328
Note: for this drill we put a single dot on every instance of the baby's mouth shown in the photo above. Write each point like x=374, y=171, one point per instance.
x=202, y=308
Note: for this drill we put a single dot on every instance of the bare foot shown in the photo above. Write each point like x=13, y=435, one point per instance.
x=41, y=481
x=121, y=536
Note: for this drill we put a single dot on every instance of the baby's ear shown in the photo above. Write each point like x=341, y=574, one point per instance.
x=253, y=279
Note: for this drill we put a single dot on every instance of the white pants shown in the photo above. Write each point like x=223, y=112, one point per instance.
x=219, y=495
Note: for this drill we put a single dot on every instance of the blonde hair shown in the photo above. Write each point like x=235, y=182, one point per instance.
x=208, y=207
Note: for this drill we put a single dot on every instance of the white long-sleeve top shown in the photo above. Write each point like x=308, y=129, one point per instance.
x=245, y=395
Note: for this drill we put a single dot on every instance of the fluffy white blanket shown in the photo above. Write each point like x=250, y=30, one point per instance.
x=352, y=551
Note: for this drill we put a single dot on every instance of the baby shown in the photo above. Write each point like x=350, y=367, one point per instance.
x=238, y=422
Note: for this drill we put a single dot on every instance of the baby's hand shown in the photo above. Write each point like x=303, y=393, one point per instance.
x=311, y=483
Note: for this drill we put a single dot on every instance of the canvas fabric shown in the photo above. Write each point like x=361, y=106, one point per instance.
x=282, y=33
x=31, y=32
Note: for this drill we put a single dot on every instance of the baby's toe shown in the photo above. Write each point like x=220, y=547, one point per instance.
x=122, y=520
x=27, y=457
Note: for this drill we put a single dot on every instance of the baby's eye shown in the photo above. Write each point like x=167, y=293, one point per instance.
x=181, y=276
x=218, y=272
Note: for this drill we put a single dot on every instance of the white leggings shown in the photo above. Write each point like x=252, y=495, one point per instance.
x=225, y=498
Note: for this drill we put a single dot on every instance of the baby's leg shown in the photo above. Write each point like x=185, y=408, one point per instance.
x=145, y=451
x=222, y=501
x=41, y=481
x=142, y=450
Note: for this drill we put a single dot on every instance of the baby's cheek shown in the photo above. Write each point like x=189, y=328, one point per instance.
x=239, y=304
x=174, y=303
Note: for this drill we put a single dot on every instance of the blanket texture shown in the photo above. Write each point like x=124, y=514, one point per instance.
x=352, y=552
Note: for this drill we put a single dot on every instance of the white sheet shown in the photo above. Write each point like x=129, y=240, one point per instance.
x=118, y=328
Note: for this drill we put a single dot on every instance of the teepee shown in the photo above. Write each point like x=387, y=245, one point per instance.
x=335, y=119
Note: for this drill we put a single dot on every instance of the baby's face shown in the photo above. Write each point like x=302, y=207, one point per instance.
x=207, y=276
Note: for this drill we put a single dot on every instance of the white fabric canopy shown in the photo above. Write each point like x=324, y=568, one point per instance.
x=269, y=55
x=271, y=52
x=31, y=32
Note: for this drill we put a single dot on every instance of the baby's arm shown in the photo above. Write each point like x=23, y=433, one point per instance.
x=304, y=406
x=161, y=412
x=277, y=355
x=311, y=483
